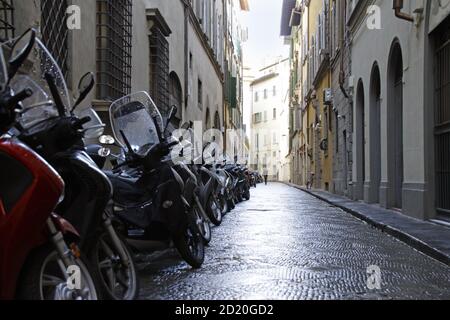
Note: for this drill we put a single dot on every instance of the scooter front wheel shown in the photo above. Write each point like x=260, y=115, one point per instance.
x=214, y=212
x=118, y=279
x=191, y=247
x=224, y=205
x=246, y=195
x=44, y=278
x=203, y=225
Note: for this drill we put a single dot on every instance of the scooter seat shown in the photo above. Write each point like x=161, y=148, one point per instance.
x=127, y=192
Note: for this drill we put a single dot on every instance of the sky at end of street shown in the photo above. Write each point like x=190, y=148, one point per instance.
x=264, y=40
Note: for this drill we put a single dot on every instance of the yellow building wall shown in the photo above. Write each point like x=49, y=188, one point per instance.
x=326, y=159
x=310, y=136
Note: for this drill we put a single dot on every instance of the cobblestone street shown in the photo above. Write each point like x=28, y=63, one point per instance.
x=286, y=244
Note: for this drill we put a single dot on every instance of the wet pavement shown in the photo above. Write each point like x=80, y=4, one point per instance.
x=286, y=244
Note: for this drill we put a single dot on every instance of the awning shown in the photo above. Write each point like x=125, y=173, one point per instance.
x=288, y=6
x=244, y=5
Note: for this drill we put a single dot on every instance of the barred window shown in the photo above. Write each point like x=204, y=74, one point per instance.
x=6, y=19
x=114, y=41
x=54, y=31
x=159, y=70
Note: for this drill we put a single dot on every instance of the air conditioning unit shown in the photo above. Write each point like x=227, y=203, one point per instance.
x=351, y=82
x=328, y=96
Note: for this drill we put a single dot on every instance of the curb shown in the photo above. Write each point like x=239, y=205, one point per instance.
x=394, y=232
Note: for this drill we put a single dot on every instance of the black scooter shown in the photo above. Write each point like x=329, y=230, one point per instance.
x=148, y=201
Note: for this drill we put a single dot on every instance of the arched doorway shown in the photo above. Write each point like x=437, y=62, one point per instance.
x=360, y=141
x=207, y=119
x=176, y=97
x=217, y=124
x=375, y=136
x=395, y=126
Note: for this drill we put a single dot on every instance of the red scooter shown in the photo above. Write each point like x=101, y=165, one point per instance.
x=35, y=261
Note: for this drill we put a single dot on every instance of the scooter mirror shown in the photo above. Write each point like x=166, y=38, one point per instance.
x=107, y=140
x=85, y=86
x=186, y=126
x=173, y=113
x=20, y=51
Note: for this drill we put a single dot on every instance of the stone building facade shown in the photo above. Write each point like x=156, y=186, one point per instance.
x=173, y=49
x=390, y=97
x=342, y=99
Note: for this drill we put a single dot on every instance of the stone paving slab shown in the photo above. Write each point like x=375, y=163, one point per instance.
x=429, y=238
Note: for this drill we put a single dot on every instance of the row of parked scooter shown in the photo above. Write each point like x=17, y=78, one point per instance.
x=72, y=215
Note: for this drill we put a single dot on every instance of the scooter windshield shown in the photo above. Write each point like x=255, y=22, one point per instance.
x=37, y=108
x=136, y=117
x=3, y=71
x=40, y=106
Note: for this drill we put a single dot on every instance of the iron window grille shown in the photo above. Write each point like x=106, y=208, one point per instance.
x=114, y=43
x=159, y=70
x=55, y=33
x=442, y=120
x=6, y=19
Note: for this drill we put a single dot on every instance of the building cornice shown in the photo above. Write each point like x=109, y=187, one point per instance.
x=264, y=79
x=275, y=64
x=154, y=15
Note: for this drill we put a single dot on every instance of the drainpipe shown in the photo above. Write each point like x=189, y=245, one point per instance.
x=342, y=72
x=186, y=53
x=398, y=6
